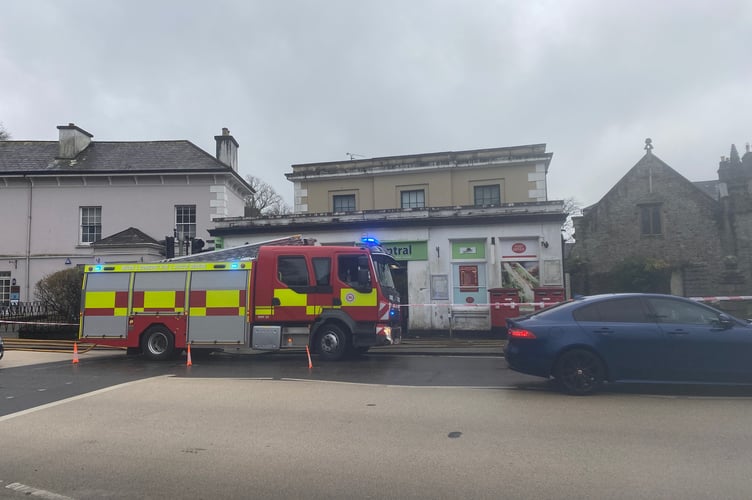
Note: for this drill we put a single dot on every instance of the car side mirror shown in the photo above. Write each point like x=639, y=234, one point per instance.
x=725, y=321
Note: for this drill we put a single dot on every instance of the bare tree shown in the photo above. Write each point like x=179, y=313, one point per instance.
x=4, y=134
x=573, y=209
x=265, y=201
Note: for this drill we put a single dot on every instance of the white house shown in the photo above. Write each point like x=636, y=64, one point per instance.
x=78, y=201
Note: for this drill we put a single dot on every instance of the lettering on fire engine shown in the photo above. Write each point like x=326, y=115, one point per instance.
x=405, y=250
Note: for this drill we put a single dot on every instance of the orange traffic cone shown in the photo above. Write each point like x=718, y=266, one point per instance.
x=308, y=352
x=188, y=360
x=75, y=353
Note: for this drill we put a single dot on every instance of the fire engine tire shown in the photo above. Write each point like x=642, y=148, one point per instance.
x=331, y=343
x=158, y=343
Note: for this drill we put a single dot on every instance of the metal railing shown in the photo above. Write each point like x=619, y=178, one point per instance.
x=36, y=320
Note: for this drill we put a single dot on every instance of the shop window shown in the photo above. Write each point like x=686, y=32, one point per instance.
x=468, y=278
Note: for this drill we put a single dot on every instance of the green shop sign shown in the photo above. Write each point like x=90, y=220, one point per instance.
x=469, y=249
x=406, y=250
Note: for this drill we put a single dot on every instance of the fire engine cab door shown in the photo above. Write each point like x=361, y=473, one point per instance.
x=105, y=305
x=217, y=307
x=295, y=289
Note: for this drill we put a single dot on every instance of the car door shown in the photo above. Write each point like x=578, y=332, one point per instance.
x=703, y=346
x=630, y=342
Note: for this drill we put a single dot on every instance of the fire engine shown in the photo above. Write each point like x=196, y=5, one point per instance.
x=336, y=300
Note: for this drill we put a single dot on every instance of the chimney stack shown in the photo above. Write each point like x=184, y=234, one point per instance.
x=227, y=149
x=72, y=141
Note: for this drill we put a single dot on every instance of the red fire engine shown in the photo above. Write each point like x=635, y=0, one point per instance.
x=334, y=299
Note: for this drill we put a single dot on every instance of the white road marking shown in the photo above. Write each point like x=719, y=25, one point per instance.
x=36, y=492
x=76, y=398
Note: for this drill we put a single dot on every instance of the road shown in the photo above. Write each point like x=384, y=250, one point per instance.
x=383, y=426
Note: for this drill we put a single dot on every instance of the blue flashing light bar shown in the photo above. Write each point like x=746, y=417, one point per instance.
x=97, y=268
x=234, y=265
x=367, y=240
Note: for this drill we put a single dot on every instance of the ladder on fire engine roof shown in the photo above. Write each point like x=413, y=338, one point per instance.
x=243, y=252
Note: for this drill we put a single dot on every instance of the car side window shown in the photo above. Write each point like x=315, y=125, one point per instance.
x=623, y=310
x=678, y=311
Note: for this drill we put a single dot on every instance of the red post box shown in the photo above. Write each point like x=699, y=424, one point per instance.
x=503, y=303
x=546, y=296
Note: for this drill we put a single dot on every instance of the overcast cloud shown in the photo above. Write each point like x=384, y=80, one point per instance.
x=309, y=81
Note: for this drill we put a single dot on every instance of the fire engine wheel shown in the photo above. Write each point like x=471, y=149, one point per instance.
x=158, y=343
x=331, y=343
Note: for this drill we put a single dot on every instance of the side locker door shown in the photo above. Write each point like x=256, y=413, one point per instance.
x=105, y=305
x=216, y=311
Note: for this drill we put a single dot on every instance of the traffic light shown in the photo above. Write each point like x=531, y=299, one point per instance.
x=169, y=247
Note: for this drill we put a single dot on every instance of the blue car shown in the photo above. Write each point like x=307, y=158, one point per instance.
x=630, y=337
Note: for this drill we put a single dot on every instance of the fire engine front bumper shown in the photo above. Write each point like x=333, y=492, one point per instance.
x=384, y=335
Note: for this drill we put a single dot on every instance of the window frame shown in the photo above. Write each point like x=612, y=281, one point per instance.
x=468, y=278
x=341, y=197
x=484, y=197
x=418, y=203
x=90, y=225
x=5, y=284
x=651, y=219
x=180, y=223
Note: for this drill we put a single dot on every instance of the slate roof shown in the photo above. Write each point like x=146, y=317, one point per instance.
x=710, y=188
x=127, y=237
x=40, y=157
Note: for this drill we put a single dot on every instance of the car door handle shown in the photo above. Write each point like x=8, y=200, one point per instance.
x=678, y=332
x=603, y=331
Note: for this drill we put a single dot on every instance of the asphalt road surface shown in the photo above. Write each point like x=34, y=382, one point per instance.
x=383, y=426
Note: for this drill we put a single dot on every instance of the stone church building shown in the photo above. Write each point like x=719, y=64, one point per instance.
x=656, y=231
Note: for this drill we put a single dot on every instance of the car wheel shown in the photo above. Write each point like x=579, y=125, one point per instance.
x=331, y=343
x=579, y=372
x=158, y=343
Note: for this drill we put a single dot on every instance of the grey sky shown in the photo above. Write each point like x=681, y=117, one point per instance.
x=308, y=81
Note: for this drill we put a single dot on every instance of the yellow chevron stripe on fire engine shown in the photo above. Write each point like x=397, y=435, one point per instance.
x=100, y=300
x=197, y=311
x=222, y=298
x=313, y=310
x=352, y=297
x=121, y=311
x=159, y=299
x=289, y=297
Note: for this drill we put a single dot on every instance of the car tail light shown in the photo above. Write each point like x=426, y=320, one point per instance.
x=520, y=333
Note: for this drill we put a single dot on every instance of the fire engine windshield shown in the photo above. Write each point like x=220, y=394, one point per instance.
x=383, y=265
